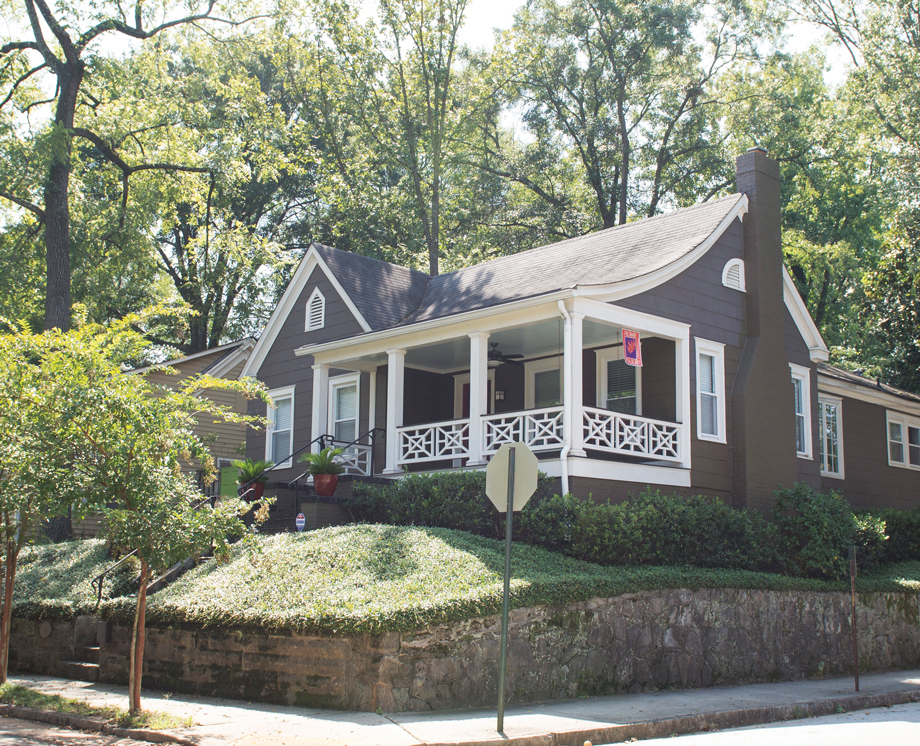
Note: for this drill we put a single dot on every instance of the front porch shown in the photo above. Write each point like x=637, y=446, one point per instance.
x=553, y=378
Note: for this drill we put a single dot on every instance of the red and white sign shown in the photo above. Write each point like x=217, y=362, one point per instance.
x=300, y=521
x=632, y=348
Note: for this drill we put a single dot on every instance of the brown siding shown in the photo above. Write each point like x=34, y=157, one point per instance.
x=604, y=490
x=429, y=397
x=870, y=482
x=658, y=380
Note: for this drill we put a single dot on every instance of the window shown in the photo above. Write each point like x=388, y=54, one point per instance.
x=801, y=390
x=316, y=311
x=343, y=408
x=903, y=441
x=830, y=440
x=280, y=434
x=733, y=275
x=543, y=383
x=710, y=390
x=619, y=385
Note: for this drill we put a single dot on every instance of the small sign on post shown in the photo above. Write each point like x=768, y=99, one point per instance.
x=511, y=479
x=300, y=521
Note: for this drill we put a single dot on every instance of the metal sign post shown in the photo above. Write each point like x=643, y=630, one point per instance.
x=511, y=478
x=853, y=594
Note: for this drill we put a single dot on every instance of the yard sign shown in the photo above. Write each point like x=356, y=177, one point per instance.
x=632, y=348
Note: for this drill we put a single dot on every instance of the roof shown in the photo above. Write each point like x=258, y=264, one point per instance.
x=223, y=352
x=625, y=252
x=857, y=380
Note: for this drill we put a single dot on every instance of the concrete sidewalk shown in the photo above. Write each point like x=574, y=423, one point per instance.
x=600, y=720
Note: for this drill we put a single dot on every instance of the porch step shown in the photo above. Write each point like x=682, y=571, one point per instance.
x=80, y=671
x=87, y=654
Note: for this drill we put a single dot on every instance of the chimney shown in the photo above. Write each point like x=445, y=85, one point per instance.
x=762, y=407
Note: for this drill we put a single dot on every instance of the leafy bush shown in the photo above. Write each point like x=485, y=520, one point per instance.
x=870, y=539
x=903, y=529
x=815, y=529
x=549, y=521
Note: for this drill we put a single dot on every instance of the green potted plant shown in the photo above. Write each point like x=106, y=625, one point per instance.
x=325, y=470
x=252, y=473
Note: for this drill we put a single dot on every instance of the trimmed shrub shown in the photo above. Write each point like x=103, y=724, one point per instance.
x=903, y=530
x=549, y=521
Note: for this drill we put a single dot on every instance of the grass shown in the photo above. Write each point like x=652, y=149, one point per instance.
x=375, y=578
x=14, y=694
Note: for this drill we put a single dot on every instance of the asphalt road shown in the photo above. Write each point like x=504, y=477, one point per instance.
x=886, y=726
x=15, y=732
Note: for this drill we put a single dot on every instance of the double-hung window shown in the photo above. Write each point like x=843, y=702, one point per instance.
x=801, y=392
x=280, y=435
x=343, y=410
x=619, y=385
x=543, y=383
x=903, y=441
x=830, y=440
x=710, y=390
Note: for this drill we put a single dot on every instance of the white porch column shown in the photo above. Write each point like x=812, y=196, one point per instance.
x=575, y=375
x=320, y=417
x=682, y=395
x=396, y=379
x=479, y=393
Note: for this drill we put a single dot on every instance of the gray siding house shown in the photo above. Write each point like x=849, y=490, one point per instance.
x=733, y=397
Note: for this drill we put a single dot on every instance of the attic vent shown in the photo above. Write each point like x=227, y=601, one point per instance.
x=733, y=275
x=316, y=311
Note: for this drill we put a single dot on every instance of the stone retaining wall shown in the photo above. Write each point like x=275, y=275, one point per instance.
x=636, y=642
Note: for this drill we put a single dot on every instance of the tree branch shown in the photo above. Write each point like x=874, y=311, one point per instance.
x=25, y=204
x=19, y=82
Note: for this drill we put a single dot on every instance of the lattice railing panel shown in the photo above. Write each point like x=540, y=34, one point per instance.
x=630, y=435
x=541, y=429
x=434, y=442
x=356, y=458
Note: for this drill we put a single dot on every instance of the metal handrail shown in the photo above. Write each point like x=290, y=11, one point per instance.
x=322, y=439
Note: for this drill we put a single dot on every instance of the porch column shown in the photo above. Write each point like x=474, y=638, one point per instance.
x=575, y=375
x=320, y=417
x=682, y=396
x=396, y=378
x=479, y=393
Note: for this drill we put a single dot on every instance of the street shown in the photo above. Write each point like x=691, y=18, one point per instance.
x=14, y=732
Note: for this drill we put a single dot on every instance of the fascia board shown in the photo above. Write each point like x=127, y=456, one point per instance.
x=627, y=288
x=428, y=332
x=180, y=360
x=222, y=367
x=613, y=314
x=817, y=349
x=835, y=387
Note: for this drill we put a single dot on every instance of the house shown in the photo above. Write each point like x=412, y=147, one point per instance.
x=733, y=398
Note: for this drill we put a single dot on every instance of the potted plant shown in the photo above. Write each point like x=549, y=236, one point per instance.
x=325, y=470
x=252, y=475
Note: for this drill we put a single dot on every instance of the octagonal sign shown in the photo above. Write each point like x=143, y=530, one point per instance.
x=525, y=476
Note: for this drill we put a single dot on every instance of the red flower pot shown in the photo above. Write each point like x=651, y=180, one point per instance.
x=253, y=493
x=325, y=484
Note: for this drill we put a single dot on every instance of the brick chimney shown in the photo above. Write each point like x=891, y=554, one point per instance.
x=762, y=407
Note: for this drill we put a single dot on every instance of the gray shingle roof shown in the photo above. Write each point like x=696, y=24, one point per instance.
x=875, y=384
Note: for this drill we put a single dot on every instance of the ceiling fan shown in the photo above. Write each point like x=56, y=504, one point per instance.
x=496, y=356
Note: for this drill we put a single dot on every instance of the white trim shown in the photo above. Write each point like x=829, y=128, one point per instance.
x=906, y=424
x=396, y=381
x=247, y=343
x=837, y=387
x=603, y=357
x=822, y=401
x=657, y=326
x=345, y=379
x=626, y=288
x=532, y=367
x=459, y=380
x=817, y=349
x=716, y=350
x=726, y=270
x=231, y=360
x=803, y=374
x=302, y=275
x=372, y=401
x=275, y=394
x=619, y=471
x=308, y=326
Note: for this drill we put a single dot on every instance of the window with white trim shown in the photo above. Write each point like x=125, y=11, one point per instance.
x=279, y=437
x=903, y=441
x=344, y=397
x=830, y=437
x=543, y=383
x=619, y=385
x=801, y=393
x=316, y=311
x=733, y=275
x=710, y=390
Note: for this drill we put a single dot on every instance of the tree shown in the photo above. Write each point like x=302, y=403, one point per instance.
x=64, y=57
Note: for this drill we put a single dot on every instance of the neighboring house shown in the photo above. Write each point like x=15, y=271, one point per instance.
x=225, y=440
x=529, y=347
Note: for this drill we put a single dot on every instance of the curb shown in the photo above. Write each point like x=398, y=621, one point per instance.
x=76, y=722
x=665, y=727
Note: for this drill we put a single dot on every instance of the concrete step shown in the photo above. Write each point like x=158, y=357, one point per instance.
x=80, y=671
x=87, y=653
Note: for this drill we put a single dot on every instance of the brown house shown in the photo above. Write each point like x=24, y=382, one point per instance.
x=733, y=397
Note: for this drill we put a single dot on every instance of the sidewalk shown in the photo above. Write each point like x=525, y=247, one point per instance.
x=597, y=719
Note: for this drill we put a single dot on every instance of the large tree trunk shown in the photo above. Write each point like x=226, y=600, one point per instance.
x=57, y=202
x=12, y=554
x=137, y=644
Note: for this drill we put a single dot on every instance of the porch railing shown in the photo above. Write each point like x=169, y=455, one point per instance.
x=630, y=435
x=541, y=429
x=434, y=441
x=355, y=457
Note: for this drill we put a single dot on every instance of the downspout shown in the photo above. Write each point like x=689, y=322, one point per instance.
x=566, y=400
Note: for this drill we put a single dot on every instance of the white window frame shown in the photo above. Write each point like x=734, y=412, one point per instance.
x=308, y=327
x=822, y=401
x=604, y=357
x=335, y=382
x=538, y=366
x=728, y=268
x=286, y=392
x=717, y=351
x=462, y=378
x=803, y=374
x=905, y=422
